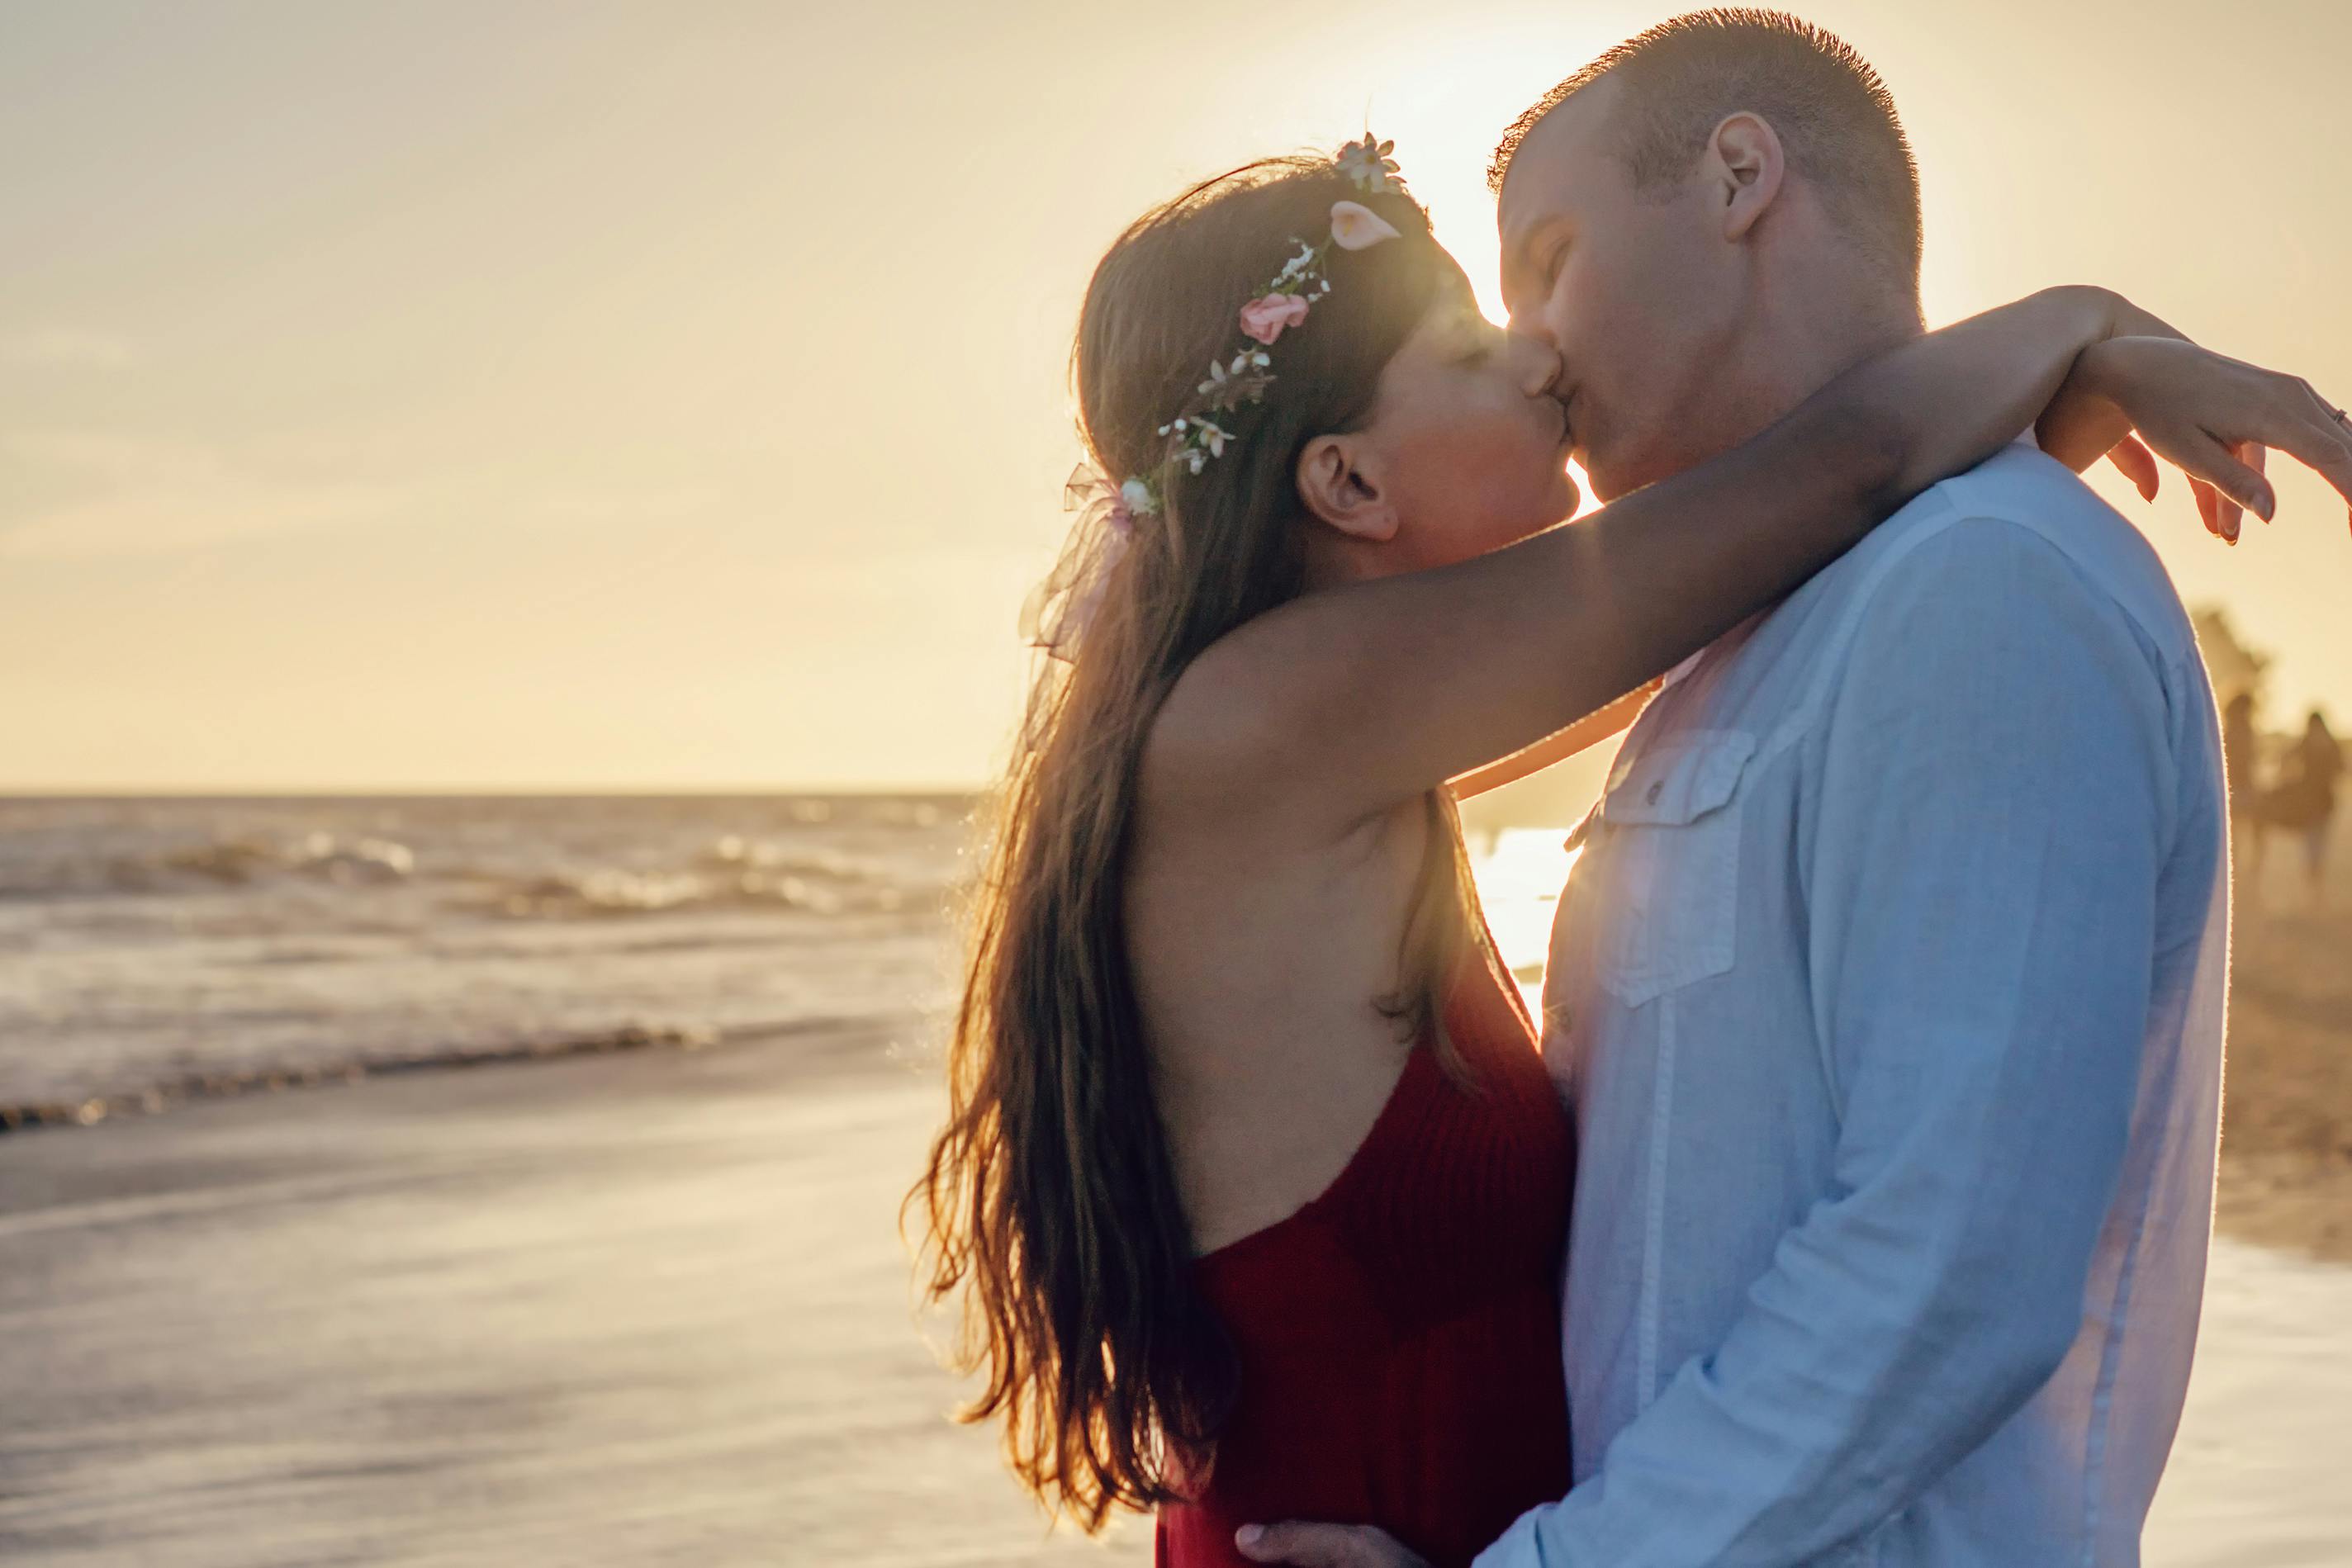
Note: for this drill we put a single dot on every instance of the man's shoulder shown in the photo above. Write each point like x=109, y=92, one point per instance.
x=2018, y=512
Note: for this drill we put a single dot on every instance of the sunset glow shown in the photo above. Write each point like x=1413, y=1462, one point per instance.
x=674, y=397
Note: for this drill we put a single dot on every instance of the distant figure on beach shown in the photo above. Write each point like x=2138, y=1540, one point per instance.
x=1886, y=1018
x=2303, y=801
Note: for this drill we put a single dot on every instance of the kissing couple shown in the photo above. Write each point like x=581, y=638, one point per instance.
x=1850, y=1205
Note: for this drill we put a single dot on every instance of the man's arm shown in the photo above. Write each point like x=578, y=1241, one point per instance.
x=1993, y=805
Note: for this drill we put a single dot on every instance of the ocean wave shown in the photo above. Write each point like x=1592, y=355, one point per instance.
x=734, y=852
x=730, y=872
x=730, y=875
x=15, y=1117
x=239, y=861
x=588, y=895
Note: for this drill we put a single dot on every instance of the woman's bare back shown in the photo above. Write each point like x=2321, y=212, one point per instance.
x=1259, y=962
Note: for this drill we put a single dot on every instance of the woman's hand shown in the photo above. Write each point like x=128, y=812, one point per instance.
x=2080, y=425
x=2078, y=429
x=2213, y=416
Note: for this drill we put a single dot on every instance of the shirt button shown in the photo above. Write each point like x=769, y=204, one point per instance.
x=1656, y=790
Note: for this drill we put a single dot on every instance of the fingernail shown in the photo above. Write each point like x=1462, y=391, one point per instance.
x=1249, y=1534
x=2267, y=505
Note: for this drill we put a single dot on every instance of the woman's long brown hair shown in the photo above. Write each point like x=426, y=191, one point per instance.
x=1050, y=1201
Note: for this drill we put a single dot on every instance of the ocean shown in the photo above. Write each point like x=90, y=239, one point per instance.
x=173, y=946
x=156, y=947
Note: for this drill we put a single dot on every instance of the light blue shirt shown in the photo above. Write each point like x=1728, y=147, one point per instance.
x=1888, y=995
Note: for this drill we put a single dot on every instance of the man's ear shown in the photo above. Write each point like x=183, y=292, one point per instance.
x=1341, y=489
x=1747, y=165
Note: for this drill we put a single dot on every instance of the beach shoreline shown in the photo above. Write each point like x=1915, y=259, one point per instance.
x=2286, y=1177
x=2285, y=1182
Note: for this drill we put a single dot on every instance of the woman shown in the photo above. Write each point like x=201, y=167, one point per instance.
x=1254, y=1185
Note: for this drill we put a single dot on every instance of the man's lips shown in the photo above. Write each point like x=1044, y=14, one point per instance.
x=1566, y=421
x=1578, y=421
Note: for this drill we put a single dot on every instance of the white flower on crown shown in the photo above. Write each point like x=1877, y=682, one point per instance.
x=1137, y=497
x=1368, y=164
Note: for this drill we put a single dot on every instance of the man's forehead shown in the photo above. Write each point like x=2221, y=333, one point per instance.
x=1557, y=160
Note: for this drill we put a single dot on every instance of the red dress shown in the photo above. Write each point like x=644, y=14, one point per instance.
x=1399, y=1337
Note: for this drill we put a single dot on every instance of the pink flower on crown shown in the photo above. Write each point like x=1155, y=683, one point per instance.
x=1265, y=320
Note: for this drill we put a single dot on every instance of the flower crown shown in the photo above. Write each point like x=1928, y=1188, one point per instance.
x=1194, y=437
x=1059, y=613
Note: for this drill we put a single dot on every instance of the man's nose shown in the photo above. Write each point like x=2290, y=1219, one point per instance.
x=1530, y=324
x=1538, y=363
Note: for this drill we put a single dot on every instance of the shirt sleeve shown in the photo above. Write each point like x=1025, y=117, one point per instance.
x=1979, y=867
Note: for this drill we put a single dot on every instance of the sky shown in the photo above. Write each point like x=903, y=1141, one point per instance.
x=580, y=396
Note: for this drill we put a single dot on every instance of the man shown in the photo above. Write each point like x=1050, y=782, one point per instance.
x=1889, y=991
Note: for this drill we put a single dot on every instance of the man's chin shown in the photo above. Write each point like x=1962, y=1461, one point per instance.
x=1606, y=483
x=1613, y=475
x=1602, y=471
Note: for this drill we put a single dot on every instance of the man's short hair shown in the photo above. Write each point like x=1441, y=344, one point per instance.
x=1834, y=117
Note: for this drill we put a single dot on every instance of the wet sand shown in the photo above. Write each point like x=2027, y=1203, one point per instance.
x=640, y=1311
x=653, y=1309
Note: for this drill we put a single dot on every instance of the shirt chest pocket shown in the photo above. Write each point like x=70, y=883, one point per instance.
x=1670, y=823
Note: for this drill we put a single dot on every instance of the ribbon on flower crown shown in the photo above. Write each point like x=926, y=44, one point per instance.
x=1065, y=604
